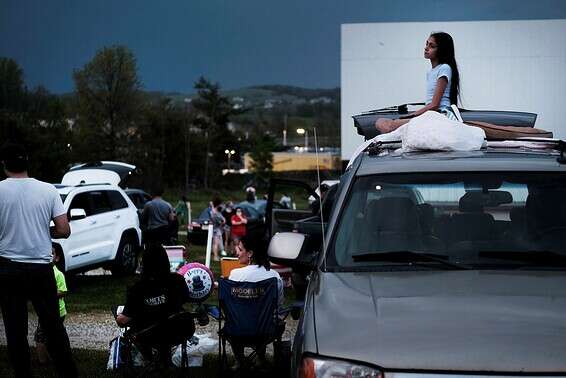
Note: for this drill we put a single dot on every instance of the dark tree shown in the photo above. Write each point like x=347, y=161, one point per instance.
x=12, y=90
x=109, y=101
x=212, y=113
x=262, y=157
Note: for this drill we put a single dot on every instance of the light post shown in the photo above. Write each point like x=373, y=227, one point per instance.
x=187, y=102
x=304, y=132
x=229, y=153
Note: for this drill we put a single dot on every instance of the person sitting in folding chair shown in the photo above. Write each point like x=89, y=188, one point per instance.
x=254, y=255
x=156, y=297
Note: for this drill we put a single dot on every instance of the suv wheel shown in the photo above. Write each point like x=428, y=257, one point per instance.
x=126, y=260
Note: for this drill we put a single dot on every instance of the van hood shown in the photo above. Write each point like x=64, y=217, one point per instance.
x=491, y=321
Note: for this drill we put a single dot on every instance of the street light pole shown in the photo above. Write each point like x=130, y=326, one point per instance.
x=229, y=154
x=187, y=102
x=304, y=132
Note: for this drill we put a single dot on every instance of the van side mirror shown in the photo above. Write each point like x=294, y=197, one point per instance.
x=77, y=214
x=289, y=248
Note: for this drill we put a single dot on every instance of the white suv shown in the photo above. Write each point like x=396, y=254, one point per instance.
x=105, y=228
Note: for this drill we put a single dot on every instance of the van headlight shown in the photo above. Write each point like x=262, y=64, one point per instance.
x=312, y=367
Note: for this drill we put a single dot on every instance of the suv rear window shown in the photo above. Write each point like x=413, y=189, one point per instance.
x=82, y=201
x=100, y=202
x=117, y=201
x=495, y=220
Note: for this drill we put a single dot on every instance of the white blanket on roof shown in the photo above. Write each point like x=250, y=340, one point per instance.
x=430, y=131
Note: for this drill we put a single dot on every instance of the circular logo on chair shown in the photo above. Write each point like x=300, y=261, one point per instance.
x=199, y=279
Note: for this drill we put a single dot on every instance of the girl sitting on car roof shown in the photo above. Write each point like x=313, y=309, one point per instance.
x=443, y=82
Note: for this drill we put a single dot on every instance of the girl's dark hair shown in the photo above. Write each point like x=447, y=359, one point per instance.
x=259, y=256
x=445, y=54
x=155, y=263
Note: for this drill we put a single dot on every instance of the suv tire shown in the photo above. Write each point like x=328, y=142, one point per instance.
x=126, y=261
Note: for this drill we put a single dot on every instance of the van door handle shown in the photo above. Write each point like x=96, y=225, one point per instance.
x=92, y=222
x=116, y=216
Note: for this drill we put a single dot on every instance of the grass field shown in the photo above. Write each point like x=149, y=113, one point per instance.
x=92, y=363
x=99, y=293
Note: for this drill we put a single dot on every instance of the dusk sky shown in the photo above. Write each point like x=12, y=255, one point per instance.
x=237, y=43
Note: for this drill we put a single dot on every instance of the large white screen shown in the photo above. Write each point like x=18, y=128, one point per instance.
x=504, y=65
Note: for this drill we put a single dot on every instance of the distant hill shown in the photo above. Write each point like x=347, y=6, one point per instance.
x=263, y=95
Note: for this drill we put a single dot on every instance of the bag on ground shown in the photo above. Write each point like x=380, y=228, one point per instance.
x=197, y=347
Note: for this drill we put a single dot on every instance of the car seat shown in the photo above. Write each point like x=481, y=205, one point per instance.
x=471, y=224
x=546, y=219
x=393, y=224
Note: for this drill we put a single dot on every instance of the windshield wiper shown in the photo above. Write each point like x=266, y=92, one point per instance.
x=407, y=257
x=541, y=258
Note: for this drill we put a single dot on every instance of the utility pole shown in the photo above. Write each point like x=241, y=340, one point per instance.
x=285, y=130
x=187, y=102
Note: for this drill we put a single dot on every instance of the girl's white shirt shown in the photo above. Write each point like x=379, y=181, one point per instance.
x=432, y=76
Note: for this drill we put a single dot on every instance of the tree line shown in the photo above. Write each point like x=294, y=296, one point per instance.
x=110, y=117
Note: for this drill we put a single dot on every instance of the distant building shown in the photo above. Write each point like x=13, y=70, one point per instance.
x=321, y=100
x=301, y=161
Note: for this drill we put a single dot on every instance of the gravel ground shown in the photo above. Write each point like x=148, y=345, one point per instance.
x=95, y=330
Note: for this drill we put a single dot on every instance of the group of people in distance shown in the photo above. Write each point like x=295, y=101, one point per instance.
x=229, y=225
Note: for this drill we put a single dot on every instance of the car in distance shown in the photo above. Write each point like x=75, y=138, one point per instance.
x=465, y=279
x=138, y=197
x=105, y=229
x=254, y=212
x=198, y=228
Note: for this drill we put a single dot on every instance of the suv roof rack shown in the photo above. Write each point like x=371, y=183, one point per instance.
x=375, y=148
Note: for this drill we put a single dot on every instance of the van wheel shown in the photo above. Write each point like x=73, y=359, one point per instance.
x=126, y=260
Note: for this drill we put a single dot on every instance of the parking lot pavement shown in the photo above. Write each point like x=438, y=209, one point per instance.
x=95, y=330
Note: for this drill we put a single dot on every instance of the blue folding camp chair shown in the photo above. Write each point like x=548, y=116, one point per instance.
x=250, y=315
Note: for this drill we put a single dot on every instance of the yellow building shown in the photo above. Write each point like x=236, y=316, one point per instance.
x=300, y=161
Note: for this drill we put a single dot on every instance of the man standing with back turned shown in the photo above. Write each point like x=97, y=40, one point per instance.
x=157, y=217
x=26, y=208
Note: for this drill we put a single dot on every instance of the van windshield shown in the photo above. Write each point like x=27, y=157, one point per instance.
x=494, y=220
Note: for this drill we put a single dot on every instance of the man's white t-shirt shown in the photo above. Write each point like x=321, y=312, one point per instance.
x=27, y=206
x=432, y=76
x=256, y=273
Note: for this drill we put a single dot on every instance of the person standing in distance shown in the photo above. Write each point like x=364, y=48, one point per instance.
x=157, y=216
x=27, y=206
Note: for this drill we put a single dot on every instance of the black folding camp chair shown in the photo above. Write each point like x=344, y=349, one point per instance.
x=156, y=341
